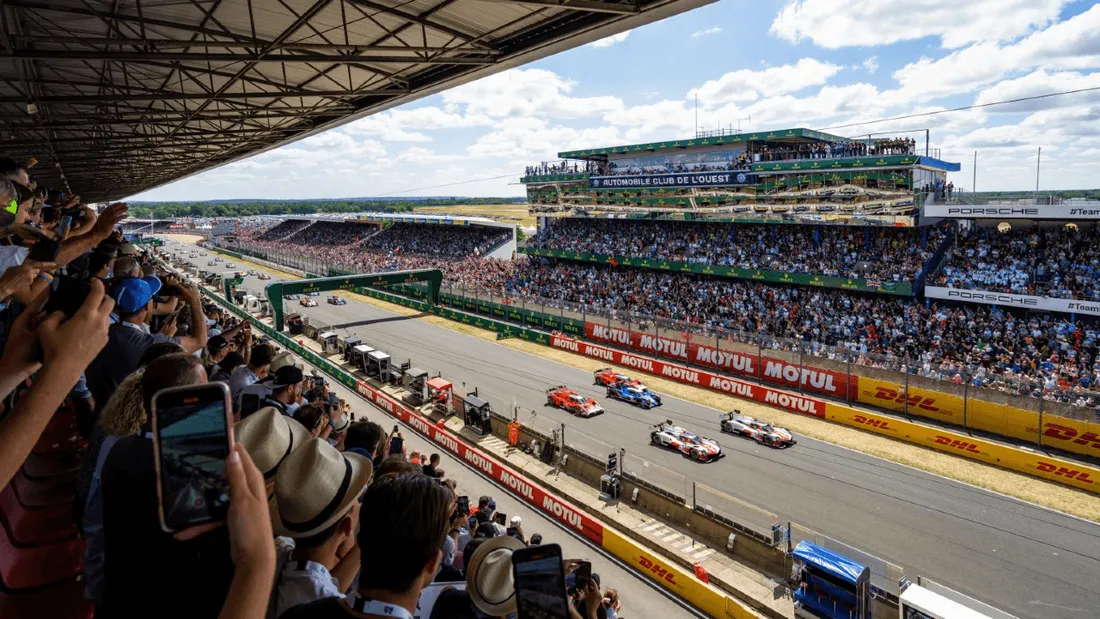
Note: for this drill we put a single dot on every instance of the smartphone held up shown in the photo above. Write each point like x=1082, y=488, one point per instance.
x=192, y=437
x=539, y=576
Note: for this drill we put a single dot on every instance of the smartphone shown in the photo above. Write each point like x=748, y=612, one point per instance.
x=67, y=294
x=192, y=437
x=396, y=445
x=462, y=505
x=583, y=573
x=540, y=583
x=500, y=518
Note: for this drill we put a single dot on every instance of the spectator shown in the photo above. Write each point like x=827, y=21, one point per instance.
x=144, y=565
x=489, y=576
x=317, y=514
x=255, y=395
x=216, y=349
x=128, y=339
x=224, y=369
x=256, y=369
x=286, y=390
x=269, y=437
x=516, y=529
x=431, y=469
x=365, y=438
x=413, y=511
x=314, y=419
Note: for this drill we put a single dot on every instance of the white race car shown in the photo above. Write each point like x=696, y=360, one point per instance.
x=759, y=431
x=690, y=444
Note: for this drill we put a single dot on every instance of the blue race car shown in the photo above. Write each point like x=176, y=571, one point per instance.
x=638, y=396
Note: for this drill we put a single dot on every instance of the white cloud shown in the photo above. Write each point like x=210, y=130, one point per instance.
x=706, y=33
x=527, y=92
x=871, y=64
x=749, y=85
x=1040, y=83
x=614, y=39
x=1072, y=44
x=882, y=22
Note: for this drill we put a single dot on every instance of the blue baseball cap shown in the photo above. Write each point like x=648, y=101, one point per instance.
x=134, y=293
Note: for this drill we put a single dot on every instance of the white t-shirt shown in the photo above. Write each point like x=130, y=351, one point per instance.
x=12, y=256
x=298, y=582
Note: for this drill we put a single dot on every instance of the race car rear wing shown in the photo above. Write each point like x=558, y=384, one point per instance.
x=596, y=372
x=553, y=389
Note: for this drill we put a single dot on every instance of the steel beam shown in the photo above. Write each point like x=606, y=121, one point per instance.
x=100, y=42
x=120, y=56
x=202, y=96
x=579, y=5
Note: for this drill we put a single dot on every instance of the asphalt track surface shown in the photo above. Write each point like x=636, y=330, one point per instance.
x=1021, y=558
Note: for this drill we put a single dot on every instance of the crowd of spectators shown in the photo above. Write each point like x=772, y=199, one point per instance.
x=96, y=327
x=833, y=150
x=279, y=231
x=547, y=168
x=456, y=250
x=886, y=254
x=738, y=163
x=975, y=343
x=1062, y=262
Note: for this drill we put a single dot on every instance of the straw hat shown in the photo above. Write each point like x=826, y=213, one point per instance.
x=281, y=360
x=269, y=437
x=489, y=576
x=315, y=487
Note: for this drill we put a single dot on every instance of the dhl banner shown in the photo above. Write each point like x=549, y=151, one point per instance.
x=1053, y=469
x=769, y=369
x=573, y=518
x=684, y=585
x=1071, y=435
x=699, y=378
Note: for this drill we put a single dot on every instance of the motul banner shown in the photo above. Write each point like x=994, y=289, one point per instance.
x=573, y=518
x=690, y=376
x=768, y=369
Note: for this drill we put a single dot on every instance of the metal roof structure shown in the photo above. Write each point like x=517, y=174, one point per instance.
x=114, y=97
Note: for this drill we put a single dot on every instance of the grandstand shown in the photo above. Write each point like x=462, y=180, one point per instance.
x=786, y=174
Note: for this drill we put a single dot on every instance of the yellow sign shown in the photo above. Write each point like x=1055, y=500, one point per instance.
x=1039, y=465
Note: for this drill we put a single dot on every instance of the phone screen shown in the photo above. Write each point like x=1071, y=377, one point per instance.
x=396, y=445
x=462, y=506
x=192, y=437
x=540, y=583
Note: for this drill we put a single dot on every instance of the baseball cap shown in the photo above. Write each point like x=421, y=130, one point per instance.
x=516, y=520
x=133, y=293
x=286, y=376
x=216, y=343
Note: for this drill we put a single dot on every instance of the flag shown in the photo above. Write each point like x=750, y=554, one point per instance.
x=614, y=262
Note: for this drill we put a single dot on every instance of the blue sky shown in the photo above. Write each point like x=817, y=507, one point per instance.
x=801, y=63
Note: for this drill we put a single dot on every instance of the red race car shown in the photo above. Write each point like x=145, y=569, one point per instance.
x=572, y=402
x=608, y=377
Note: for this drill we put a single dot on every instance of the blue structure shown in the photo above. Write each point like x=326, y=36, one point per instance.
x=830, y=585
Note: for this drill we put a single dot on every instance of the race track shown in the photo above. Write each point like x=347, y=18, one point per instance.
x=1021, y=558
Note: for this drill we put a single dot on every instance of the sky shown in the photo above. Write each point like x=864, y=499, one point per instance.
x=754, y=65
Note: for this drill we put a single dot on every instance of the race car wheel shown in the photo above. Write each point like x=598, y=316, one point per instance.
x=654, y=439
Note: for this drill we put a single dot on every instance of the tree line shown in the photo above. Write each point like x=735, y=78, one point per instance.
x=245, y=208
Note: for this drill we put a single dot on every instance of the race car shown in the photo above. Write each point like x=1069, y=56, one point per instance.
x=253, y=273
x=211, y=263
x=608, y=377
x=335, y=300
x=313, y=294
x=307, y=302
x=217, y=259
x=264, y=276
x=572, y=402
x=291, y=297
x=761, y=432
x=230, y=265
x=690, y=444
x=638, y=396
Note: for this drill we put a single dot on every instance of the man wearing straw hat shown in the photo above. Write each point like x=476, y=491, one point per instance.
x=316, y=506
x=270, y=437
x=403, y=522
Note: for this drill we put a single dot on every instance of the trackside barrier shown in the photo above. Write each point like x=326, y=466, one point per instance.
x=679, y=581
x=1050, y=468
x=692, y=376
x=673, y=578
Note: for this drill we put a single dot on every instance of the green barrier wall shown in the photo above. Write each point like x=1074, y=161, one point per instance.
x=764, y=275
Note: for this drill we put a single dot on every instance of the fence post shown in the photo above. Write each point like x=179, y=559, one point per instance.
x=966, y=400
x=693, y=502
x=760, y=357
x=1042, y=397
x=848, y=382
x=800, y=353
x=906, y=398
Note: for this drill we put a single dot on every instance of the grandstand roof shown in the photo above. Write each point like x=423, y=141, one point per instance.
x=707, y=140
x=118, y=96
